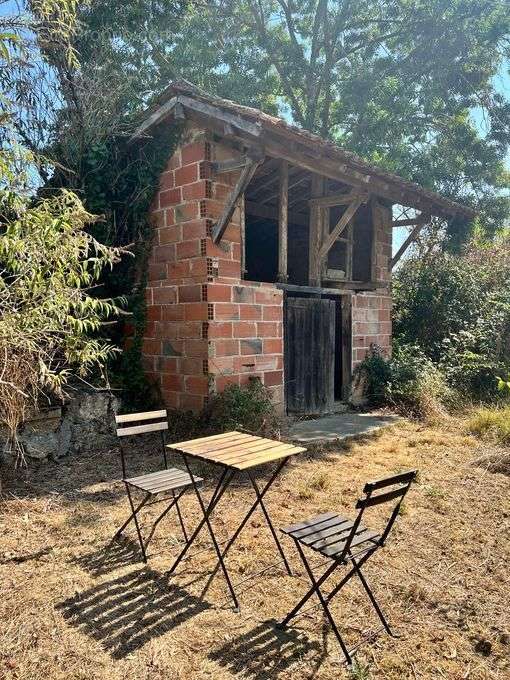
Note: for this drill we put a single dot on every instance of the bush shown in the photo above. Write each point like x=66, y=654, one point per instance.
x=492, y=423
x=417, y=385
x=409, y=381
x=249, y=407
x=455, y=311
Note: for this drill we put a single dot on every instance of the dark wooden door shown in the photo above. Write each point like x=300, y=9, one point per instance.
x=309, y=355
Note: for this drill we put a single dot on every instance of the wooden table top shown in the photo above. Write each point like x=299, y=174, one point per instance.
x=236, y=449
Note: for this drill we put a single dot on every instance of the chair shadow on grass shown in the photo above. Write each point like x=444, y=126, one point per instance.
x=124, y=613
x=264, y=652
x=114, y=555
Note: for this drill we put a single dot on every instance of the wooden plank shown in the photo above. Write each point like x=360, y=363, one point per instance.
x=346, y=330
x=340, y=226
x=283, y=200
x=309, y=354
x=381, y=498
x=402, y=478
x=267, y=458
x=205, y=447
x=315, y=233
x=419, y=219
x=141, y=429
x=233, y=457
x=339, y=199
x=244, y=179
x=315, y=290
x=308, y=523
x=412, y=237
x=210, y=438
x=135, y=417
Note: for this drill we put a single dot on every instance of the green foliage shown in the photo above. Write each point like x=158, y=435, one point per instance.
x=456, y=310
x=375, y=370
x=417, y=385
x=49, y=321
x=409, y=381
x=249, y=407
x=492, y=423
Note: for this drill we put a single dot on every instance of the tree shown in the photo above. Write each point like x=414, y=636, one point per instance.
x=50, y=322
x=397, y=81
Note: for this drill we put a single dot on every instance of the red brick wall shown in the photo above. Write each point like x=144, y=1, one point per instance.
x=371, y=324
x=206, y=327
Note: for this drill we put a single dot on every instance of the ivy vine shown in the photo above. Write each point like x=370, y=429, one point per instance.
x=119, y=179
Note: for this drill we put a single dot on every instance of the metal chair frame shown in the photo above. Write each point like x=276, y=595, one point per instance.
x=337, y=544
x=135, y=424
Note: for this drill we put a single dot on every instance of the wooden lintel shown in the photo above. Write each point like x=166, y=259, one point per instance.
x=244, y=179
x=283, y=200
x=412, y=237
x=411, y=221
x=228, y=165
x=339, y=227
x=339, y=199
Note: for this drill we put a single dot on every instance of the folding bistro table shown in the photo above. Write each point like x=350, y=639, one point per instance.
x=236, y=453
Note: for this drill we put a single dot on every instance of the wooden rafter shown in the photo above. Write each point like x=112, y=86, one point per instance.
x=292, y=185
x=339, y=199
x=411, y=221
x=412, y=237
x=247, y=173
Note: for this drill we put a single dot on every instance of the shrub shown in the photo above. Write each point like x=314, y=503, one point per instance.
x=417, y=385
x=248, y=407
x=492, y=423
x=374, y=373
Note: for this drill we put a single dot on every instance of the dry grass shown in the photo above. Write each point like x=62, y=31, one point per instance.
x=71, y=609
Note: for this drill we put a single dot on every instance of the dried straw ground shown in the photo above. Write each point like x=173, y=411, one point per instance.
x=71, y=609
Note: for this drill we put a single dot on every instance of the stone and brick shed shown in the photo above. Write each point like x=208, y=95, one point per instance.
x=271, y=257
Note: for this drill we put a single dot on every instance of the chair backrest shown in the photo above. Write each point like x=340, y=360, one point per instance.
x=131, y=424
x=399, y=487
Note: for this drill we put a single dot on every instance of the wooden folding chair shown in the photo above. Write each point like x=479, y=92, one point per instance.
x=152, y=484
x=347, y=541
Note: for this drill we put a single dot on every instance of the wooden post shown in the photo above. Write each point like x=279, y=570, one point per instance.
x=242, y=215
x=283, y=201
x=346, y=346
x=315, y=237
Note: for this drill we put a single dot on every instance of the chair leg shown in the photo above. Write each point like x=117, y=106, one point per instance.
x=316, y=589
x=130, y=518
x=371, y=596
x=180, y=516
x=135, y=519
x=161, y=516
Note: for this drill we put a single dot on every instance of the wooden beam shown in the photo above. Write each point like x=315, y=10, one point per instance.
x=292, y=184
x=271, y=213
x=340, y=226
x=419, y=219
x=244, y=179
x=339, y=199
x=412, y=237
x=283, y=200
x=315, y=233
